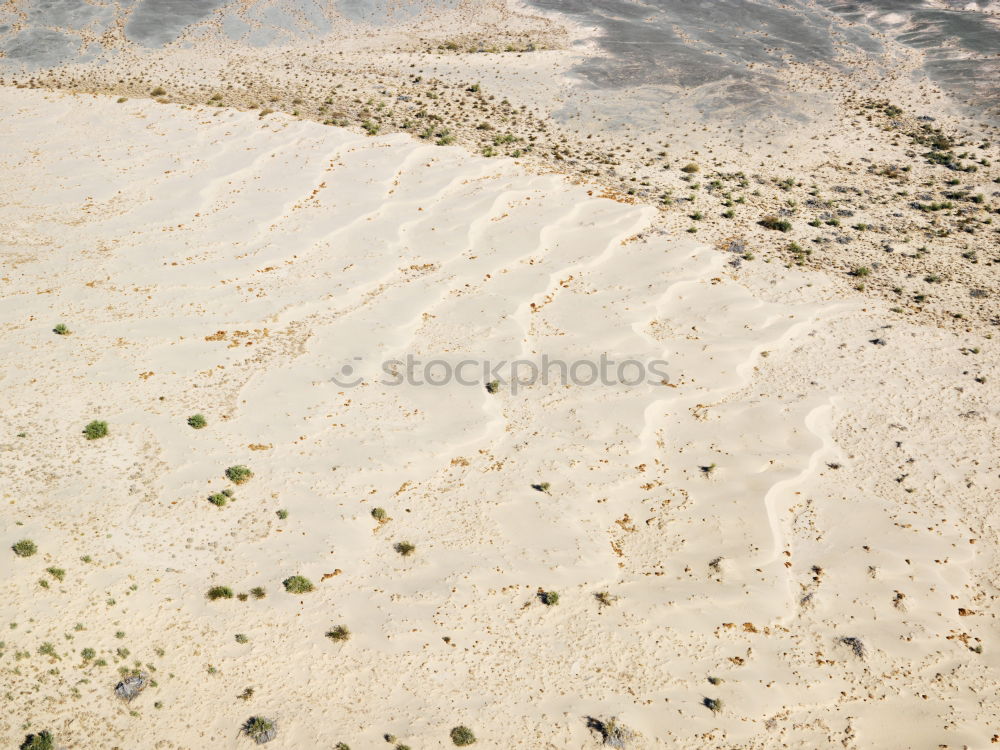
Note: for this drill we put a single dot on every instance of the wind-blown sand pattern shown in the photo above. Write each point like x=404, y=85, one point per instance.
x=810, y=473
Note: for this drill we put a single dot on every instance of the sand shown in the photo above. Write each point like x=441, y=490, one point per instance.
x=814, y=468
x=887, y=183
x=784, y=535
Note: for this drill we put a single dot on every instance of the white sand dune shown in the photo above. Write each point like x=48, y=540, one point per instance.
x=217, y=263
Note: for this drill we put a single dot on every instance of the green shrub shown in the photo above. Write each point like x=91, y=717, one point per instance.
x=217, y=499
x=690, y=168
x=24, y=548
x=259, y=729
x=61, y=329
x=258, y=592
x=239, y=474
x=96, y=429
x=57, y=573
x=339, y=633
x=380, y=515
x=40, y=741
x=404, y=548
x=197, y=421
x=462, y=736
x=297, y=585
x=219, y=592
x=773, y=222
x=549, y=598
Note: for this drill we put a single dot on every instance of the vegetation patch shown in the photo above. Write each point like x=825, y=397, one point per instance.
x=219, y=592
x=96, y=429
x=239, y=474
x=24, y=548
x=297, y=585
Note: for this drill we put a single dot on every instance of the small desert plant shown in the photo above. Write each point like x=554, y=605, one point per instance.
x=239, y=474
x=549, y=598
x=462, y=736
x=613, y=733
x=339, y=633
x=605, y=599
x=712, y=704
x=24, y=548
x=96, y=429
x=247, y=694
x=691, y=168
x=158, y=91
x=87, y=654
x=61, y=329
x=40, y=741
x=197, y=421
x=242, y=638
x=773, y=222
x=404, y=548
x=542, y=487
x=131, y=686
x=707, y=469
x=380, y=515
x=861, y=271
x=341, y=746
x=57, y=573
x=493, y=386
x=260, y=729
x=281, y=514
x=258, y=592
x=217, y=499
x=855, y=644
x=219, y=592
x=297, y=585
